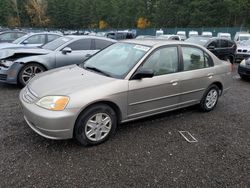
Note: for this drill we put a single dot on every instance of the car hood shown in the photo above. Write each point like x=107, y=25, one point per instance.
x=66, y=80
x=243, y=46
x=9, y=45
x=22, y=52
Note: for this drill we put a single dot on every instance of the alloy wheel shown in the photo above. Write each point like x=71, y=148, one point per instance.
x=98, y=127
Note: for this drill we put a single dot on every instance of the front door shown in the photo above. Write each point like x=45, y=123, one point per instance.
x=80, y=49
x=160, y=93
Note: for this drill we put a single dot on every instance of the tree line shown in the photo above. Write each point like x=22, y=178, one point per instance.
x=142, y=14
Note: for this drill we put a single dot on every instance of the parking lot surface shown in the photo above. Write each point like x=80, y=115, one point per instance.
x=145, y=153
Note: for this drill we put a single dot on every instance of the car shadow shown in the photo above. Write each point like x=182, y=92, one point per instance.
x=10, y=86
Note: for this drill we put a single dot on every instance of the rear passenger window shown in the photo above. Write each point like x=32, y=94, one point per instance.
x=194, y=58
x=82, y=44
x=100, y=44
x=163, y=61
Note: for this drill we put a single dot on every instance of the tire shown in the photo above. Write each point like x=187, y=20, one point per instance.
x=210, y=98
x=28, y=72
x=89, y=130
x=243, y=77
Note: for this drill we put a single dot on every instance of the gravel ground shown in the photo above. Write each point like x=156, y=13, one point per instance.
x=145, y=153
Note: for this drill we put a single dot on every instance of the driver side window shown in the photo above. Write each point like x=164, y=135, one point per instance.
x=163, y=61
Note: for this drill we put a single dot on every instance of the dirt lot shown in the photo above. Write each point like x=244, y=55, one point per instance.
x=145, y=153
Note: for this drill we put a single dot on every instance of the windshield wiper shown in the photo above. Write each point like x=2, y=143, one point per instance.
x=97, y=70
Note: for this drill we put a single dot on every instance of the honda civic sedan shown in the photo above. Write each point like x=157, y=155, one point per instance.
x=125, y=81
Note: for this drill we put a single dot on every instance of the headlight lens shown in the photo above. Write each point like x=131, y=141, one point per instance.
x=243, y=63
x=6, y=63
x=55, y=103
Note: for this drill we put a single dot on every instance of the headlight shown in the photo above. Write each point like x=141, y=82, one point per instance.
x=6, y=63
x=55, y=103
x=243, y=63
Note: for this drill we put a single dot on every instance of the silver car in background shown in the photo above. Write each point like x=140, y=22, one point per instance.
x=126, y=81
x=18, y=66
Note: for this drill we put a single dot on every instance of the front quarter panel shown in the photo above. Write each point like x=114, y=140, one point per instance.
x=47, y=60
x=114, y=92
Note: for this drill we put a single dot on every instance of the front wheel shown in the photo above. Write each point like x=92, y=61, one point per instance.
x=28, y=72
x=95, y=125
x=210, y=98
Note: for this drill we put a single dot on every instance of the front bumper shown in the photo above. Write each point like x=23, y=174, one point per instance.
x=241, y=56
x=244, y=71
x=9, y=75
x=49, y=124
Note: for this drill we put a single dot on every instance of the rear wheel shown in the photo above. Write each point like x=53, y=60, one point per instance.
x=95, y=125
x=28, y=72
x=210, y=98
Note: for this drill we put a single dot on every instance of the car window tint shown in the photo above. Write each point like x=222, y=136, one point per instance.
x=100, y=44
x=213, y=43
x=8, y=36
x=36, y=39
x=163, y=61
x=230, y=44
x=194, y=58
x=52, y=37
x=20, y=35
x=223, y=43
x=82, y=44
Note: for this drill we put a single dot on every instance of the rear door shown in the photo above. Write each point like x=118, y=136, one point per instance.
x=197, y=74
x=159, y=93
x=80, y=48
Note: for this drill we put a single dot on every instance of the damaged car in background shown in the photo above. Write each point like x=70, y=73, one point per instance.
x=18, y=66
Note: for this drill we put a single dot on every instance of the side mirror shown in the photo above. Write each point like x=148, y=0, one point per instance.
x=211, y=47
x=66, y=50
x=143, y=73
x=25, y=42
x=88, y=56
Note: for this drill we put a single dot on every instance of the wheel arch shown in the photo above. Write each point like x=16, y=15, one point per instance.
x=35, y=62
x=219, y=85
x=113, y=105
x=28, y=63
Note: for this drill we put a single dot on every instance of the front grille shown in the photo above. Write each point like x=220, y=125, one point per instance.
x=3, y=77
x=29, y=96
x=239, y=50
x=244, y=51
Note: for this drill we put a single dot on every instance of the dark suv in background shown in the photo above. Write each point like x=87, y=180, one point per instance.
x=224, y=49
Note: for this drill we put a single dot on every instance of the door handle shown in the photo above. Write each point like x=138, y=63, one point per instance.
x=174, y=82
x=210, y=75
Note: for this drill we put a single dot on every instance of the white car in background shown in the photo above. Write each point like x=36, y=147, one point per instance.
x=182, y=35
x=241, y=37
x=224, y=35
x=207, y=34
x=193, y=34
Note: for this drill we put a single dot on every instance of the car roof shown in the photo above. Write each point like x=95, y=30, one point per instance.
x=12, y=31
x=155, y=42
x=75, y=37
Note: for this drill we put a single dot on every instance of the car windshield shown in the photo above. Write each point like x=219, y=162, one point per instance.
x=247, y=43
x=19, y=40
x=116, y=60
x=56, y=43
x=244, y=38
x=198, y=40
